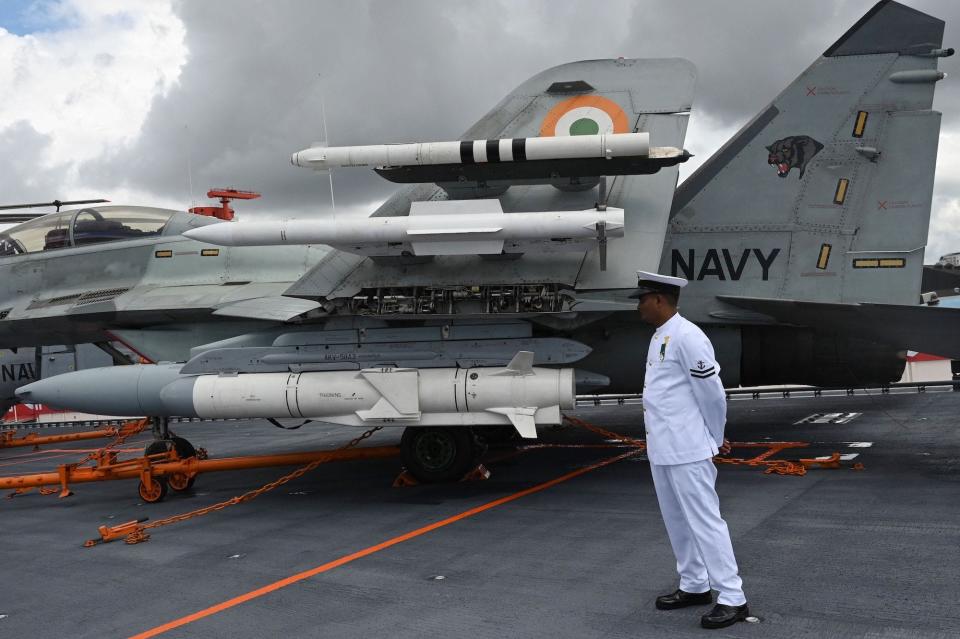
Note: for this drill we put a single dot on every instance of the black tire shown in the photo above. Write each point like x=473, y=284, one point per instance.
x=155, y=447
x=184, y=448
x=177, y=483
x=438, y=454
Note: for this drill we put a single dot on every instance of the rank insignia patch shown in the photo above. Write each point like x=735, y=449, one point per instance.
x=702, y=371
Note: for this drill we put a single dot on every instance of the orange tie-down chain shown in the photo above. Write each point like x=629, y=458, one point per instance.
x=771, y=466
x=135, y=532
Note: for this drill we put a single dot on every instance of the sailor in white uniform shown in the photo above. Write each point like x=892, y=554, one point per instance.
x=685, y=410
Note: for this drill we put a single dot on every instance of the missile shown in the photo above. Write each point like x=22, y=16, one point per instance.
x=423, y=231
x=517, y=394
x=604, y=145
x=120, y=390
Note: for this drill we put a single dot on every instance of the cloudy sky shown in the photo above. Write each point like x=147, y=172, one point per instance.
x=155, y=102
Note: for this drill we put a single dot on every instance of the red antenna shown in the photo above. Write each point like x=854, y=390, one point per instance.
x=224, y=211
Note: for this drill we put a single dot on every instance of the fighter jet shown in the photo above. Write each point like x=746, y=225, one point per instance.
x=463, y=302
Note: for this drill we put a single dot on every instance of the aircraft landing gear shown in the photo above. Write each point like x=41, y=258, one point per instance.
x=439, y=454
x=165, y=441
x=178, y=482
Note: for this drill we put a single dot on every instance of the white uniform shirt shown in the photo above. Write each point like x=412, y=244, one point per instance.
x=684, y=404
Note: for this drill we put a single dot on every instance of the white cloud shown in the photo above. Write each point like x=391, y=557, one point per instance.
x=944, y=228
x=114, y=99
x=705, y=136
x=90, y=84
x=944, y=236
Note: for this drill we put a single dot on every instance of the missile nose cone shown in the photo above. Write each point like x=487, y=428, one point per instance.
x=220, y=234
x=25, y=392
x=116, y=390
x=44, y=391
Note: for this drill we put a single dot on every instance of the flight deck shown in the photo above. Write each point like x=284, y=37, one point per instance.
x=563, y=540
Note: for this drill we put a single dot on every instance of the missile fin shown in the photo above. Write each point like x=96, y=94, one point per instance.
x=521, y=364
x=383, y=409
x=466, y=247
x=521, y=418
x=398, y=386
x=456, y=207
x=455, y=231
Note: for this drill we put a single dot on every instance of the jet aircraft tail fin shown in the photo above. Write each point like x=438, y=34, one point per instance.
x=825, y=195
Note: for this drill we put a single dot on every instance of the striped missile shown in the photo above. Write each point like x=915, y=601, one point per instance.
x=568, y=147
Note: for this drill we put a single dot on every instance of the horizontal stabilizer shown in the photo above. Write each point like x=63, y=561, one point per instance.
x=926, y=329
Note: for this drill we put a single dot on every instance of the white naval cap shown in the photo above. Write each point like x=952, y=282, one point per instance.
x=655, y=283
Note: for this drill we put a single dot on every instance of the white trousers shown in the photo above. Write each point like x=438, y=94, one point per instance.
x=699, y=536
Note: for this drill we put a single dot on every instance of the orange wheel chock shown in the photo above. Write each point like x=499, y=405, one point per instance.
x=405, y=480
x=480, y=473
x=831, y=462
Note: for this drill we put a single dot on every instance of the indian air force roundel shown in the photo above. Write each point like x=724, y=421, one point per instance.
x=585, y=115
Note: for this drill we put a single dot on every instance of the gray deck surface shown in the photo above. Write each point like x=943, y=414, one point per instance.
x=837, y=553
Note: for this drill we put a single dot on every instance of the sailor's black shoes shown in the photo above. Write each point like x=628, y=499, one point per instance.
x=722, y=616
x=681, y=599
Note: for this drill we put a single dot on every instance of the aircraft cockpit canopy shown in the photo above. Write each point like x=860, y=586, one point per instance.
x=83, y=227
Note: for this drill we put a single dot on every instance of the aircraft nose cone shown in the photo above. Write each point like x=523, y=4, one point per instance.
x=220, y=234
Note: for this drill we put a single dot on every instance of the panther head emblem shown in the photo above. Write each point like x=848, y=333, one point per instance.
x=792, y=153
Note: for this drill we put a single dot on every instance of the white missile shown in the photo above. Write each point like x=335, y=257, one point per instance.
x=398, y=396
x=607, y=145
x=517, y=394
x=432, y=228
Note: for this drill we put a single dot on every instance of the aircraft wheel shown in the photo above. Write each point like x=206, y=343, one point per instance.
x=183, y=448
x=178, y=482
x=154, y=492
x=438, y=454
x=155, y=447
